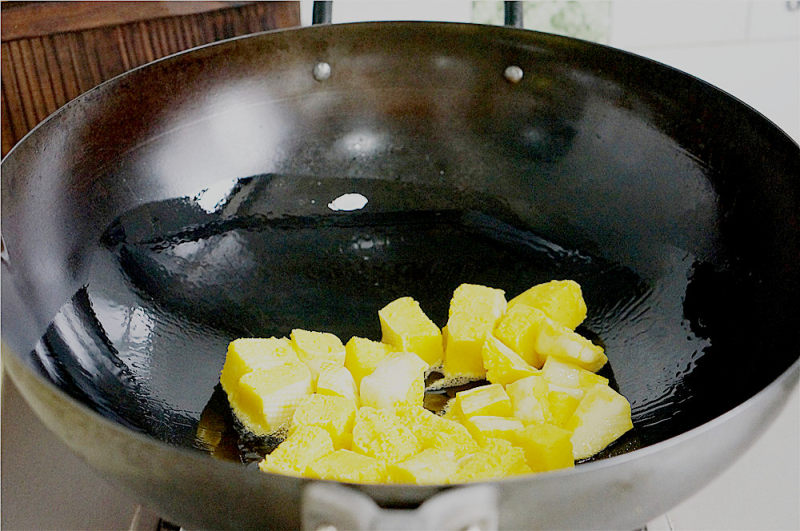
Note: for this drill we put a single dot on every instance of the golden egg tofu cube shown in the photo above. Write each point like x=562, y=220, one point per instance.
x=398, y=379
x=474, y=310
x=490, y=399
x=407, y=329
x=503, y=365
x=433, y=431
x=335, y=414
x=554, y=339
x=250, y=353
x=265, y=399
x=336, y=380
x=563, y=373
x=316, y=349
x=562, y=402
x=363, y=355
x=429, y=467
x=602, y=417
x=529, y=399
x=546, y=446
x=379, y=433
x=496, y=459
x=304, y=446
x=561, y=300
x=348, y=466
x=488, y=427
x=518, y=329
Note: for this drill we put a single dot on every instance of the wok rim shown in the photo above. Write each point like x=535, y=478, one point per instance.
x=385, y=23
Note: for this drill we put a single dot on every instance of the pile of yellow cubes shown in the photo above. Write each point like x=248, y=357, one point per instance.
x=354, y=412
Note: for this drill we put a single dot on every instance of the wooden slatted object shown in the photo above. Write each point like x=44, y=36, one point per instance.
x=54, y=51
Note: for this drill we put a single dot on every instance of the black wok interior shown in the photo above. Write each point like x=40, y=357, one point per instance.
x=200, y=212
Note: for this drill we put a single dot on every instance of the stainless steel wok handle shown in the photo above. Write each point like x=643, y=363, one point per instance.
x=330, y=507
x=322, y=12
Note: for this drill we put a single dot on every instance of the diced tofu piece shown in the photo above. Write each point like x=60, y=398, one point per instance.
x=474, y=310
x=337, y=381
x=398, y=379
x=250, y=353
x=487, y=427
x=547, y=447
x=602, y=416
x=529, y=399
x=489, y=399
x=304, y=446
x=348, y=466
x=496, y=459
x=266, y=399
x=561, y=300
x=562, y=404
x=556, y=340
x=317, y=348
x=566, y=374
x=334, y=414
x=379, y=433
x=532, y=334
x=406, y=327
x=429, y=467
x=363, y=355
x=518, y=330
x=511, y=457
x=433, y=431
x=503, y=365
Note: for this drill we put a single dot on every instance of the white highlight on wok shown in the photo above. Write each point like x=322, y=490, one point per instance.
x=348, y=202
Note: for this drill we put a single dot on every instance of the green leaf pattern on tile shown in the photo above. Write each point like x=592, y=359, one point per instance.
x=583, y=19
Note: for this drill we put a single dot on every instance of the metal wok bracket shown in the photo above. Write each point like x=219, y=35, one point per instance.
x=329, y=507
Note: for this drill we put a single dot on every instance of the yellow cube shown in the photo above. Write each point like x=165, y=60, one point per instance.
x=503, y=365
x=557, y=340
x=265, y=399
x=487, y=427
x=433, y=431
x=602, y=416
x=429, y=467
x=379, y=433
x=518, y=329
x=334, y=414
x=406, y=327
x=250, y=353
x=490, y=399
x=563, y=373
x=496, y=459
x=562, y=404
x=511, y=457
x=398, y=379
x=304, y=446
x=316, y=349
x=529, y=399
x=363, y=355
x=561, y=300
x=547, y=447
x=348, y=466
x=337, y=381
x=535, y=337
x=474, y=310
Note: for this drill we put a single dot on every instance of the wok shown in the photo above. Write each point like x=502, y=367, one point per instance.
x=203, y=197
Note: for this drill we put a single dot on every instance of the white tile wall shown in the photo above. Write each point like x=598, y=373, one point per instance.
x=640, y=23
x=749, y=48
